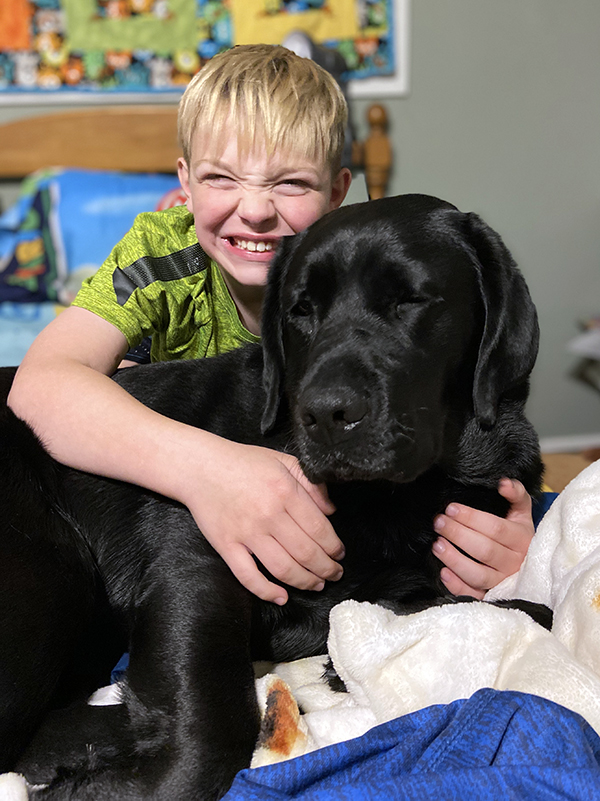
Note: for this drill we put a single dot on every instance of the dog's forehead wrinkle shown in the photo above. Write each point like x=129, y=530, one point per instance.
x=359, y=343
x=331, y=364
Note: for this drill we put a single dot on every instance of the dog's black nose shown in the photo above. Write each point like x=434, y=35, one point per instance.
x=333, y=415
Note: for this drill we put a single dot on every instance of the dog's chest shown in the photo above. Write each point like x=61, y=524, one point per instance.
x=383, y=525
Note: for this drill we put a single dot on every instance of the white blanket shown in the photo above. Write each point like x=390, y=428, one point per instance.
x=395, y=665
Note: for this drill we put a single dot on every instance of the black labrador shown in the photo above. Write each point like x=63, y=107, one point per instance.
x=398, y=337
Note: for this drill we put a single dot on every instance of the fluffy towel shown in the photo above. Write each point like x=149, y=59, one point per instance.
x=13, y=787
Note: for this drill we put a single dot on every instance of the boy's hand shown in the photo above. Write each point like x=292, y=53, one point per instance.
x=498, y=545
x=259, y=502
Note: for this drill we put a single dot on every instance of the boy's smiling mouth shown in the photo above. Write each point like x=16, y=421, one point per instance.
x=252, y=245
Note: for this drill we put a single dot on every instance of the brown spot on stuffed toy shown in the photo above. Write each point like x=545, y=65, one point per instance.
x=279, y=730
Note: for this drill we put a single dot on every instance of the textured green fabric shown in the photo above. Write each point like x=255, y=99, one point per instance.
x=158, y=282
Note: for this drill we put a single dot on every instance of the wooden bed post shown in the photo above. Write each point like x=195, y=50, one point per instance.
x=374, y=155
x=377, y=152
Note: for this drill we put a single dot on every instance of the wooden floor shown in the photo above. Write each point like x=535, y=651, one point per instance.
x=563, y=467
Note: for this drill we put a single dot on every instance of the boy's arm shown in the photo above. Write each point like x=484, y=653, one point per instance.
x=494, y=547
x=246, y=500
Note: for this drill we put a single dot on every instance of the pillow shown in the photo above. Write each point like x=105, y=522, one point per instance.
x=63, y=226
x=31, y=266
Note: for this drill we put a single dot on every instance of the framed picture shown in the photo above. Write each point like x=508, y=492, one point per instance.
x=397, y=82
x=111, y=51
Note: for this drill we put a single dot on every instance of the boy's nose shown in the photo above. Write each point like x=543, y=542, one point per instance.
x=257, y=210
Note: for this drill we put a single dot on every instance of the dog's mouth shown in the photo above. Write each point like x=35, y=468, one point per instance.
x=345, y=472
x=394, y=461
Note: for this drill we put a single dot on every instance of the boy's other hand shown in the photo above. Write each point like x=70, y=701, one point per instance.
x=496, y=546
x=258, y=502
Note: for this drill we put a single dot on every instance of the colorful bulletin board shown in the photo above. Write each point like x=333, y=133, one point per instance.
x=104, y=49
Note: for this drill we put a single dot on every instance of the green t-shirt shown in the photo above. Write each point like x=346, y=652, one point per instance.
x=159, y=282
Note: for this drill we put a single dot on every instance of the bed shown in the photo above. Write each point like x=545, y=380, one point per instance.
x=428, y=714
x=86, y=174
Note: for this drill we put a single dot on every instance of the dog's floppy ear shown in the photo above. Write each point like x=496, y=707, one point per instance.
x=272, y=331
x=510, y=338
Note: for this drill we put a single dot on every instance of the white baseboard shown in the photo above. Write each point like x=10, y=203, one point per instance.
x=570, y=443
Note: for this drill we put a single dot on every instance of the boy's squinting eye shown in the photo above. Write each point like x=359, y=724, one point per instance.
x=293, y=186
x=217, y=179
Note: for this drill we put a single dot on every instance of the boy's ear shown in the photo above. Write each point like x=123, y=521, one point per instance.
x=183, y=173
x=339, y=188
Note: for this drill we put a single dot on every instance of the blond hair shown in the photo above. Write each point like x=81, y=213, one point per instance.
x=272, y=98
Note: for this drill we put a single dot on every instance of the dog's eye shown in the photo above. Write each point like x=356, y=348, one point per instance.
x=405, y=304
x=302, y=308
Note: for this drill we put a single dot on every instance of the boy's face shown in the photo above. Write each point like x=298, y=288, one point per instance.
x=243, y=205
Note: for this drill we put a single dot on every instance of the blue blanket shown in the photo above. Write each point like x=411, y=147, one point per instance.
x=493, y=746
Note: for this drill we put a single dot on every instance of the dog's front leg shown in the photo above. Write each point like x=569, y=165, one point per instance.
x=189, y=690
x=190, y=684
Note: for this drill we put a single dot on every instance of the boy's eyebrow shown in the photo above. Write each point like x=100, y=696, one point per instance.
x=213, y=163
x=223, y=165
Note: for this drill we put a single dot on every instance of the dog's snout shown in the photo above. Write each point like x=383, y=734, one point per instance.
x=331, y=416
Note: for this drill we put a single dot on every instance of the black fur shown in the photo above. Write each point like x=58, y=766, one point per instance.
x=397, y=341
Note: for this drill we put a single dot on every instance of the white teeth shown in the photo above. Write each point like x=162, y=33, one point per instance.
x=253, y=246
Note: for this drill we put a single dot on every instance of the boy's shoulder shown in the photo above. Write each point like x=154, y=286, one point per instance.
x=163, y=232
x=150, y=274
x=162, y=245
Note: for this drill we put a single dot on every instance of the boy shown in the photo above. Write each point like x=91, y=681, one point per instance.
x=262, y=132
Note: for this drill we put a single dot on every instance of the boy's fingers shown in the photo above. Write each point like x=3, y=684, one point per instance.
x=518, y=497
x=459, y=518
x=313, y=524
x=313, y=559
x=306, y=550
x=318, y=492
x=244, y=568
x=472, y=573
x=491, y=547
x=477, y=532
x=308, y=508
x=458, y=587
x=283, y=566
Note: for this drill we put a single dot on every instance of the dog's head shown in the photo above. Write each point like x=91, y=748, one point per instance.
x=386, y=325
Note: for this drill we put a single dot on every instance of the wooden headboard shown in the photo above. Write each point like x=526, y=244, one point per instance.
x=140, y=139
